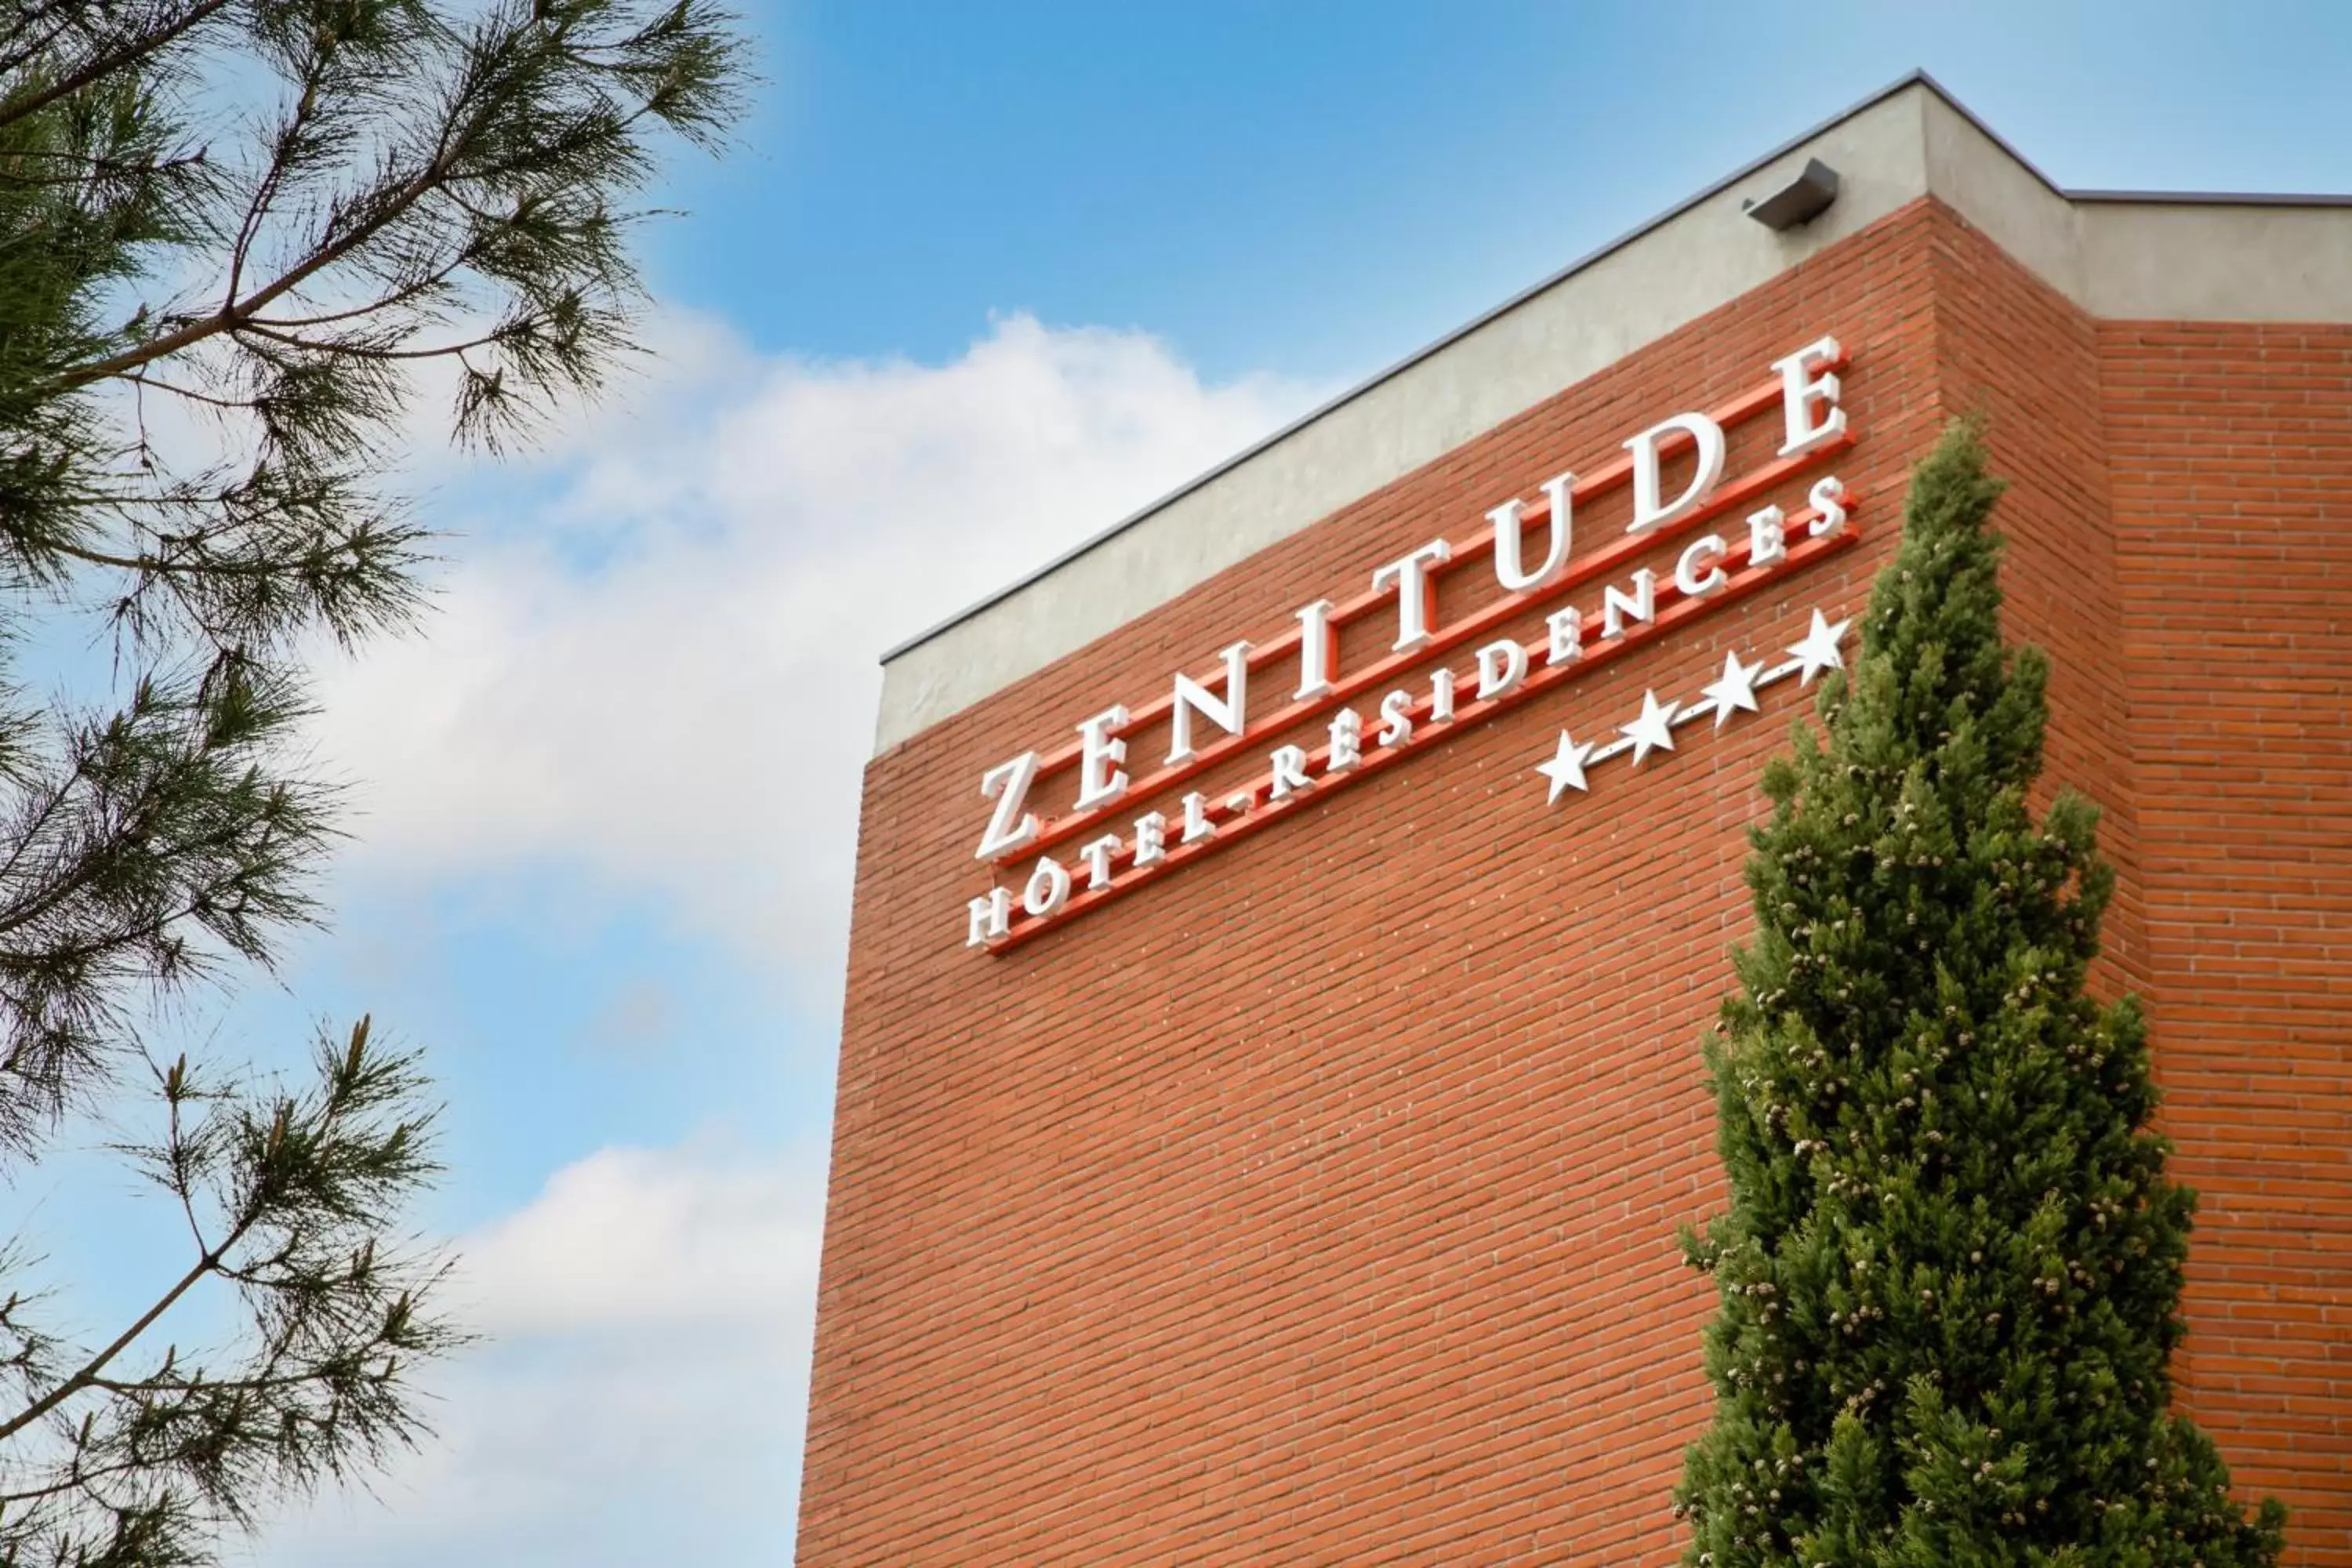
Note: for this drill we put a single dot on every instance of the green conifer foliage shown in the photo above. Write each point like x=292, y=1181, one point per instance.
x=242, y=244
x=1951, y=1270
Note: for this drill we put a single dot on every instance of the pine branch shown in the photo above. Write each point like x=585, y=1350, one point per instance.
x=375, y=307
x=382, y=355
x=144, y=379
x=232, y=315
x=126, y=53
x=87, y=1375
x=422, y=169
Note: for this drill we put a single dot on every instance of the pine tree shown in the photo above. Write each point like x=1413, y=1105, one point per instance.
x=1950, y=1273
x=239, y=240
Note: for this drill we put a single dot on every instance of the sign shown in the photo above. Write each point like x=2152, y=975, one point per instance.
x=1413, y=692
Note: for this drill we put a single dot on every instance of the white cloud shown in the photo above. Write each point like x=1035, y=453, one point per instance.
x=657, y=671
x=641, y=1393
x=663, y=672
x=633, y=1239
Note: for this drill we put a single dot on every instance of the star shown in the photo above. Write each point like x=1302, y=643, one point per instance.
x=1566, y=769
x=1818, y=651
x=1735, y=689
x=1650, y=732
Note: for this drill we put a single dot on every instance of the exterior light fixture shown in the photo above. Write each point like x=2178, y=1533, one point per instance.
x=1801, y=200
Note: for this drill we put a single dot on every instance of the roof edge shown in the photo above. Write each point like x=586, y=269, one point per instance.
x=1915, y=78
x=2212, y=198
x=1398, y=367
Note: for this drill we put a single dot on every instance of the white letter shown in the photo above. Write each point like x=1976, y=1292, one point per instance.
x=1828, y=496
x=1048, y=888
x=1441, y=695
x=1100, y=782
x=1505, y=519
x=1289, y=771
x=1197, y=825
x=1567, y=631
x=1316, y=644
x=1229, y=715
x=1416, y=595
x=1641, y=603
x=1396, y=718
x=1150, y=838
x=1706, y=550
x=1007, y=784
x=1560, y=490
x=1800, y=389
x=988, y=920
x=1767, y=545
x=1347, y=741
x=1501, y=666
x=1648, y=511
x=1098, y=858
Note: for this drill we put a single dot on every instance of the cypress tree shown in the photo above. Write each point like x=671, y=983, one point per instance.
x=1950, y=1273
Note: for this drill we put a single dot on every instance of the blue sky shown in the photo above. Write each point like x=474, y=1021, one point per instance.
x=983, y=278
x=1319, y=187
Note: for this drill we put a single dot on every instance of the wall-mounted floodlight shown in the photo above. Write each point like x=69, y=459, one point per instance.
x=1801, y=200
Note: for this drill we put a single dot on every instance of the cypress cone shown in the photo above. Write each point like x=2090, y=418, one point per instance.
x=1950, y=1273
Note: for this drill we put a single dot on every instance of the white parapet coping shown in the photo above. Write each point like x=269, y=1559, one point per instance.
x=2118, y=254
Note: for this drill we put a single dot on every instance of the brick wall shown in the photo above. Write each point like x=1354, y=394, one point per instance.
x=1318, y=1203
x=2233, y=502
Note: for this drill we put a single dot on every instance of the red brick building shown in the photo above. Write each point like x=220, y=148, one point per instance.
x=1299, y=1184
